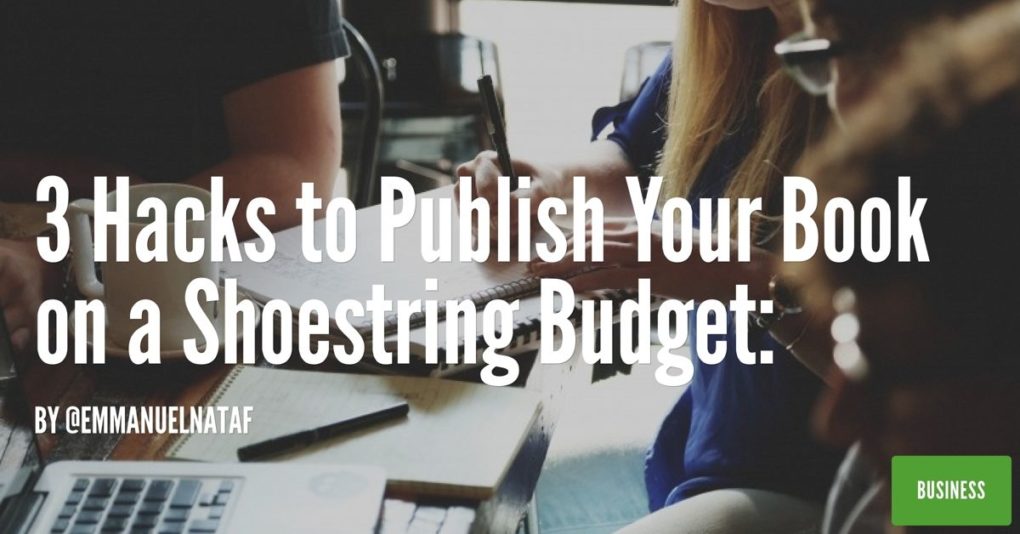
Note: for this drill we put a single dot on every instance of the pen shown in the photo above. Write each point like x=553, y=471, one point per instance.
x=497, y=128
x=306, y=438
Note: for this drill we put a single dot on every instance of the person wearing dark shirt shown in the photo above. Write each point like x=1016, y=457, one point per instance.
x=164, y=92
x=925, y=362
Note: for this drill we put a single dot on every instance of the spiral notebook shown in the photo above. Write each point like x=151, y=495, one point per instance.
x=457, y=442
x=288, y=276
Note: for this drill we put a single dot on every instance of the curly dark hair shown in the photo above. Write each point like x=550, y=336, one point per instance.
x=877, y=26
x=948, y=116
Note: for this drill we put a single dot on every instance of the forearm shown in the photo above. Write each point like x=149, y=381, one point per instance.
x=283, y=131
x=606, y=168
x=277, y=177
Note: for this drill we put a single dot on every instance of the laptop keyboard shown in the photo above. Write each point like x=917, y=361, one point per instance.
x=139, y=505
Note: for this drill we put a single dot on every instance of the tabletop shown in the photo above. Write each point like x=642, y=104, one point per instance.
x=122, y=384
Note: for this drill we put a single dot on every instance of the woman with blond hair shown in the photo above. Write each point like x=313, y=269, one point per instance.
x=735, y=453
x=741, y=464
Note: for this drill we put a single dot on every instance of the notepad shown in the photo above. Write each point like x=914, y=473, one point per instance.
x=458, y=439
x=290, y=277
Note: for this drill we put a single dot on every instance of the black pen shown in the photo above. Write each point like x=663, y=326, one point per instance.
x=497, y=128
x=307, y=438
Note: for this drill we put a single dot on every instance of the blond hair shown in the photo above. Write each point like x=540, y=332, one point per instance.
x=724, y=80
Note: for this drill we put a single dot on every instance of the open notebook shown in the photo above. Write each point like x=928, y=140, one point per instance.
x=457, y=441
x=290, y=278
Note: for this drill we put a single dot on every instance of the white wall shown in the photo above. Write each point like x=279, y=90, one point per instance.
x=560, y=62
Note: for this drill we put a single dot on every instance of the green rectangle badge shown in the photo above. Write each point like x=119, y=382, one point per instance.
x=952, y=491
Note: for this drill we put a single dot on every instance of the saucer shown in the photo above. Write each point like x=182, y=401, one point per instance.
x=116, y=351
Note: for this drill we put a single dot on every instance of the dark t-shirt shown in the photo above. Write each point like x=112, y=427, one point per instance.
x=141, y=83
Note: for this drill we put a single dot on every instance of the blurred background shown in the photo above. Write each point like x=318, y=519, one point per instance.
x=554, y=64
x=567, y=57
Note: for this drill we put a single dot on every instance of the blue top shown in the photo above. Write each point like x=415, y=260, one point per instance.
x=736, y=425
x=639, y=124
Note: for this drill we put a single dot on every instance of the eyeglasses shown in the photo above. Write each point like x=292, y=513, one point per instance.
x=806, y=59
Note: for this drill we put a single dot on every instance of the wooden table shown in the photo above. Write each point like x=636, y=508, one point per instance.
x=183, y=384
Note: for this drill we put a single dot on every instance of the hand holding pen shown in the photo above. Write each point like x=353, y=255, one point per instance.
x=490, y=165
x=496, y=123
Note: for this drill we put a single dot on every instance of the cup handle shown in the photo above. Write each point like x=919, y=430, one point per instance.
x=84, y=252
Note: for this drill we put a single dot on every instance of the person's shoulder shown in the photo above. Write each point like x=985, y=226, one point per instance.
x=313, y=13
x=258, y=39
x=664, y=72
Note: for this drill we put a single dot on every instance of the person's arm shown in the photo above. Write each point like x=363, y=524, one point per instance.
x=602, y=163
x=283, y=131
x=630, y=150
x=606, y=167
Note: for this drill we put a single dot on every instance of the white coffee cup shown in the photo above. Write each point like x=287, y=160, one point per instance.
x=126, y=283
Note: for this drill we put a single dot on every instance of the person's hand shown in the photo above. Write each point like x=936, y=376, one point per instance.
x=546, y=181
x=693, y=279
x=25, y=281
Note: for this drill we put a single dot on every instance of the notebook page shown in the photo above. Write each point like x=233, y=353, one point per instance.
x=289, y=277
x=457, y=441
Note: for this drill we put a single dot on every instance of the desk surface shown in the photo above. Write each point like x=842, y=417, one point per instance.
x=122, y=384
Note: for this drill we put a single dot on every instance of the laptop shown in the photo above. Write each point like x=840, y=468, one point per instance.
x=80, y=497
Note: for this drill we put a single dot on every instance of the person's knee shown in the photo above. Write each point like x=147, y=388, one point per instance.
x=733, y=511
